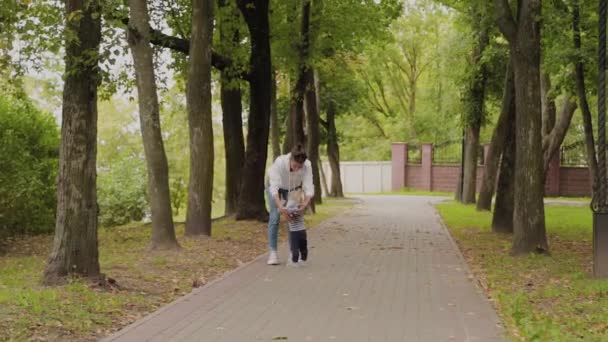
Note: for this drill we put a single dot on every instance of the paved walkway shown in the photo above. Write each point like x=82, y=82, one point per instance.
x=385, y=271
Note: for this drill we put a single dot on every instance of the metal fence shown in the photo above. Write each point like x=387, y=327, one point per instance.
x=574, y=154
x=414, y=154
x=447, y=152
x=450, y=152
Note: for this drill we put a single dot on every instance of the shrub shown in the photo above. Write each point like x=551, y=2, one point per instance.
x=29, y=151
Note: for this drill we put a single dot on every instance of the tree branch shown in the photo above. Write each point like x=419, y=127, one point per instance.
x=183, y=45
x=553, y=141
x=324, y=123
x=504, y=19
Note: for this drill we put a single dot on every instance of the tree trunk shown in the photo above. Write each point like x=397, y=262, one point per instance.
x=323, y=178
x=548, y=104
x=333, y=152
x=274, y=119
x=297, y=111
x=198, y=100
x=302, y=81
x=75, y=248
x=313, y=133
x=232, y=118
x=502, y=219
x=553, y=141
x=251, y=200
x=524, y=40
x=471, y=154
x=507, y=114
x=234, y=141
x=288, y=141
x=459, y=184
x=475, y=108
x=582, y=97
x=163, y=232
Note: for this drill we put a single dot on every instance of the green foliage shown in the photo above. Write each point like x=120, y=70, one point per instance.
x=121, y=175
x=411, y=84
x=29, y=145
x=122, y=191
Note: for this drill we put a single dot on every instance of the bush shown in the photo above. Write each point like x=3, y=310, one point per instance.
x=29, y=150
x=121, y=189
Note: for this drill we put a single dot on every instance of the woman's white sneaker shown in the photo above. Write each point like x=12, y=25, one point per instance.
x=273, y=258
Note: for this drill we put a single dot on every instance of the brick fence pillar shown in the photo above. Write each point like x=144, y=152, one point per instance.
x=426, y=166
x=398, y=164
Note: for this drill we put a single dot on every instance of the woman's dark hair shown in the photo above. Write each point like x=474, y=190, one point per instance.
x=298, y=153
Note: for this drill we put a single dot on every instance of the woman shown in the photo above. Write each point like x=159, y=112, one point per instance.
x=289, y=172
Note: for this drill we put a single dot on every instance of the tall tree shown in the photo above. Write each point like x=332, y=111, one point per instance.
x=163, y=231
x=581, y=91
x=274, y=120
x=313, y=125
x=303, y=78
x=523, y=35
x=198, y=100
x=232, y=108
x=502, y=217
x=75, y=247
x=251, y=200
x=499, y=136
x=333, y=152
x=474, y=107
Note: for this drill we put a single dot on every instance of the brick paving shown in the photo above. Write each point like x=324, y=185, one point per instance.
x=386, y=270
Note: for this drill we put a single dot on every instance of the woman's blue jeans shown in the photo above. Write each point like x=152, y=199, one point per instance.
x=273, y=219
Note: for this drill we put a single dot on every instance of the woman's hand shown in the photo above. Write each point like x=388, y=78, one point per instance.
x=285, y=212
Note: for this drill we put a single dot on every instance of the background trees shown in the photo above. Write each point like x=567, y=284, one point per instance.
x=345, y=77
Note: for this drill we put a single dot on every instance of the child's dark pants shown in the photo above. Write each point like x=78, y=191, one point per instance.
x=299, y=245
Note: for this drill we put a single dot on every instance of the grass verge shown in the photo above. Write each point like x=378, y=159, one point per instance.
x=540, y=298
x=145, y=280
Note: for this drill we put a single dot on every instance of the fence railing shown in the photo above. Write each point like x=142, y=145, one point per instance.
x=447, y=152
x=574, y=154
x=450, y=152
x=414, y=154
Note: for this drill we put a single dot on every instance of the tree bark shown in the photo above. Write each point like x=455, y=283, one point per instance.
x=313, y=132
x=288, y=141
x=323, y=178
x=274, y=120
x=163, y=232
x=198, y=100
x=548, y=104
x=476, y=99
x=502, y=218
x=524, y=40
x=584, y=104
x=234, y=141
x=333, y=152
x=554, y=139
x=75, y=247
x=302, y=81
x=232, y=123
x=507, y=114
x=251, y=201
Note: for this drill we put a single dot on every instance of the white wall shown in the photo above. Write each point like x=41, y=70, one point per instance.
x=362, y=176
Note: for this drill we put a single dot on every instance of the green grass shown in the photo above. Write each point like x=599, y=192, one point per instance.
x=82, y=311
x=571, y=199
x=540, y=298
